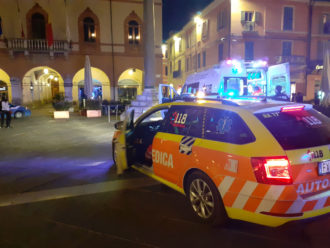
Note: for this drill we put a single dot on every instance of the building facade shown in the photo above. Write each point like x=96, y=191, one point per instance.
x=44, y=44
x=293, y=31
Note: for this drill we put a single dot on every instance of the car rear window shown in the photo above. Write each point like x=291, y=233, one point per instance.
x=297, y=129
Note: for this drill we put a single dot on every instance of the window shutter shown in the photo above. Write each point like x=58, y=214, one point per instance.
x=224, y=19
x=205, y=31
x=257, y=17
x=321, y=25
x=320, y=49
x=242, y=16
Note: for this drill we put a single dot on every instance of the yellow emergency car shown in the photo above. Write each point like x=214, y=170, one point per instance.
x=264, y=162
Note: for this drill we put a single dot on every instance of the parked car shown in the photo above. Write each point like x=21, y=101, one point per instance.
x=18, y=111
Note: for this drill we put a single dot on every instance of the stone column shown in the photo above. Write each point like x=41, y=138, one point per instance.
x=149, y=44
x=68, y=87
x=149, y=96
x=16, y=93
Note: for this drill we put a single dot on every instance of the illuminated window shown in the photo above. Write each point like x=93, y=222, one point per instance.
x=89, y=30
x=133, y=33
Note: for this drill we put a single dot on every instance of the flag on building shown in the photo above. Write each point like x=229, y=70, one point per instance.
x=49, y=34
x=0, y=26
x=22, y=32
x=68, y=33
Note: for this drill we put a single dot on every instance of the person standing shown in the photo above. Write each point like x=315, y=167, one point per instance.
x=5, y=111
x=1, y=110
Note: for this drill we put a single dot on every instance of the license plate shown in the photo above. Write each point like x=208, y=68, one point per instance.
x=324, y=167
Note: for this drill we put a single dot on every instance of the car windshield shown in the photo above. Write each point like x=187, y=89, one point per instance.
x=297, y=129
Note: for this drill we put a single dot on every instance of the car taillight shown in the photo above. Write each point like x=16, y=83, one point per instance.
x=272, y=170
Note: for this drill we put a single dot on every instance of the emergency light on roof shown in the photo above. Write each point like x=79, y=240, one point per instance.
x=292, y=108
x=236, y=66
x=259, y=63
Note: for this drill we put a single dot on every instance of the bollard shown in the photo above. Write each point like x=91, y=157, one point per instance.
x=109, y=113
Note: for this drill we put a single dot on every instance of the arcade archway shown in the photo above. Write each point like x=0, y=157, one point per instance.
x=5, y=85
x=41, y=84
x=130, y=84
x=101, y=83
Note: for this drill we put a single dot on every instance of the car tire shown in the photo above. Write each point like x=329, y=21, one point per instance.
x=205, y=200
x=18, y=114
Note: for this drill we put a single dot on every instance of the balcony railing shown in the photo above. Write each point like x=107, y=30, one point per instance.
x=294, y=59
x=37, y=46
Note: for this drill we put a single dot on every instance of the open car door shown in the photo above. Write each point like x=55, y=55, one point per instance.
x=120, y=151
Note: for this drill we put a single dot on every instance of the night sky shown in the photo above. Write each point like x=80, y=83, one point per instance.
x=177, y=13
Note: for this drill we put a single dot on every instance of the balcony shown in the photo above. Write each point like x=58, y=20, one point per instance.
x=293, y=59
x=32, y=46
x=249, y=28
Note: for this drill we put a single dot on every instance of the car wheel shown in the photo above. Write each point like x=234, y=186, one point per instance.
x=205, y=199
x=18, y=114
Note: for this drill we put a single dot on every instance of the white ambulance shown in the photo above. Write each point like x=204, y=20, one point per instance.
x=234, y=78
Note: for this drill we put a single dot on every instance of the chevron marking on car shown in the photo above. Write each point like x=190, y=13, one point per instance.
x=186, y=145
x=269, y=200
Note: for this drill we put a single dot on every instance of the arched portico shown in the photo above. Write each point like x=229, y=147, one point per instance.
x=130, y=84
x=100, y=79
x=5, y=85
x=41, y=84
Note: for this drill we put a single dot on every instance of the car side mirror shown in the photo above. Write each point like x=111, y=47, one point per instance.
x=119, y=125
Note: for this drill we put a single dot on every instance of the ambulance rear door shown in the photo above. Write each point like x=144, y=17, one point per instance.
x=278, y=75
x=167, y=93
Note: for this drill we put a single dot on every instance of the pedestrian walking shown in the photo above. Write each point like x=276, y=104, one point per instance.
x=5, y=112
